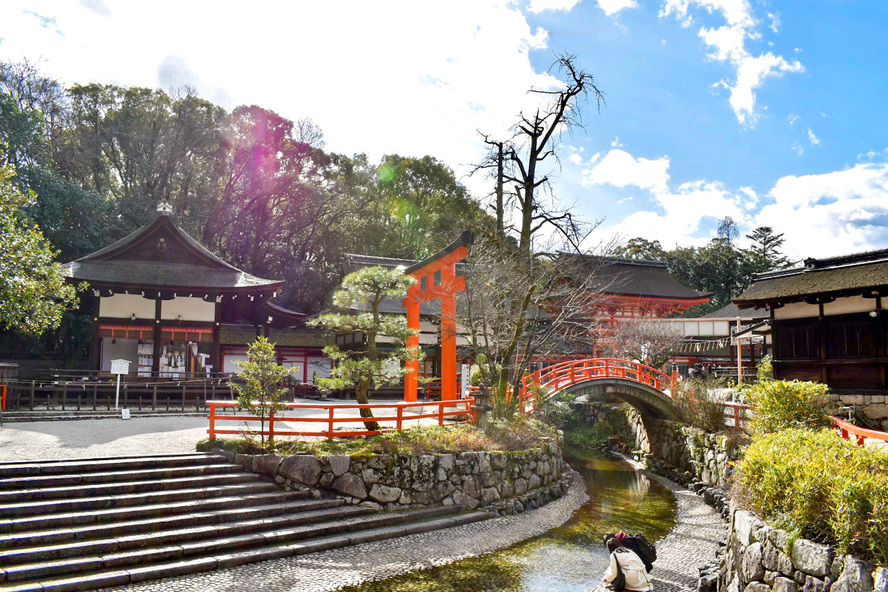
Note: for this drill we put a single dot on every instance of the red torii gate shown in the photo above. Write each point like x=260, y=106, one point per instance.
x=436, y=278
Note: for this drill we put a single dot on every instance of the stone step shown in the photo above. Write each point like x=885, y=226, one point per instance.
x=175, y=534
x=129, y=500
x=91, y=465
x=81, y=533
x=124, y=487
x=69, y=480
x=116, y=515
x=376, y=527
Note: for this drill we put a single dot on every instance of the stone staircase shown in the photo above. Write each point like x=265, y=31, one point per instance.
x=104, y=522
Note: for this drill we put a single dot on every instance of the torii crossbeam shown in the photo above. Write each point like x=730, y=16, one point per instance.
x=436, y=279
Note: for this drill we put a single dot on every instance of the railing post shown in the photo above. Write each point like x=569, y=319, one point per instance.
x=441, y=412
x=400, y=418
x=330, y=424
x=212, y=417
x=271, y=425
x=31, y=401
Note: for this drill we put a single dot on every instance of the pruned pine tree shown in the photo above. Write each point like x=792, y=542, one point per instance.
x=367, y=365
x=262, y=391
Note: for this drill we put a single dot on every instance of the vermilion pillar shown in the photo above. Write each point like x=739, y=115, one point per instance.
x=411, y=379
x=448, y=339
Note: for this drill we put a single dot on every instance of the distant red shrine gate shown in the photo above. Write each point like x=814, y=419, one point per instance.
x=436, y=279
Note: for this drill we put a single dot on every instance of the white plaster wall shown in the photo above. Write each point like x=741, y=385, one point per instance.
x=191, y=309
x=796, y=310
x=849, y=305
x=122, y=306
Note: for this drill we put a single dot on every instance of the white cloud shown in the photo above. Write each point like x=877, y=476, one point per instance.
x=798, y=149
x=576, y=158
x=832, y=213
x=621, y=169
x=612, y=7
x=541, y=5
x=774, y=17
x=792, y=118
x=815, y=141
x=684, y=209
x=727, y=43
x=750, y=74
x=405, y=78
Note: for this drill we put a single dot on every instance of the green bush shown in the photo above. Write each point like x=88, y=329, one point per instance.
x=764, y=371
x=583, y=435
x=815, y=484
x=781, y=404
x=698, y=405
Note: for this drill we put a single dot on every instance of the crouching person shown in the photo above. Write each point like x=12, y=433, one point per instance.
x=626, y=570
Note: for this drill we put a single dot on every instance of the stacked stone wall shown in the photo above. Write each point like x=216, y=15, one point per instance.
x=759, y=558
x=506, y=482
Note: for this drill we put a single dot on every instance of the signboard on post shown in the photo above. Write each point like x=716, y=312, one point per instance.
x=119, y=367
x=465, y=380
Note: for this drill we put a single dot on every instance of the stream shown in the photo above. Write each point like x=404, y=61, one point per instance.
x=569, y=558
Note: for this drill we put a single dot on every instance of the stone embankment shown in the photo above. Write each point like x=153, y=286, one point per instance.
x=506, y=482
x=764, y=559
x=756, y=557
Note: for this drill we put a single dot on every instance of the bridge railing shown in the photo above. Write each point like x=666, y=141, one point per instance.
x=557, y=377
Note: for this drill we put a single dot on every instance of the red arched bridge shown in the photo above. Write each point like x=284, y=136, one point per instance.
x=638, y=384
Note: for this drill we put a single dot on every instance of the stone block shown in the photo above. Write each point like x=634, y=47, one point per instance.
x=380, y=461
x=880, y=579
x=756, y=587
x=266, y=464
x=751, y=566
x=813, y=584
x=370, y=476
x=384, y=494
x=350, y=484
x=520, y=486
x=445, y=461
x=326, y=480
x=534, y=482
x=339, y=464
x=812, y=558
x=857, y=576
x=489, y=496
x=471, y=487
x=490, y=479
x=745, y=523
x=301, y=468
x=782, y=584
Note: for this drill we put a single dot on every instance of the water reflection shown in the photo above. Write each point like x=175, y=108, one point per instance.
x=569, y=558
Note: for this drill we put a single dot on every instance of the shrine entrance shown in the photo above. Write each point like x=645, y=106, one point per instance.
x=436, y=280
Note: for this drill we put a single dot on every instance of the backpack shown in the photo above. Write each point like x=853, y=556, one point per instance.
x=638, y=544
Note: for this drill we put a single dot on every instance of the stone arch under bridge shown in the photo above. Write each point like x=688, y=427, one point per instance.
x=647, y=400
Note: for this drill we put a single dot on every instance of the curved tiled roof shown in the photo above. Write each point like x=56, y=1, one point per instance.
x=634, y=277
x=162, y=255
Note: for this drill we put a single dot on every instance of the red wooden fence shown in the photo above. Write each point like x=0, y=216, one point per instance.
x=860, y=434
x=390, y=416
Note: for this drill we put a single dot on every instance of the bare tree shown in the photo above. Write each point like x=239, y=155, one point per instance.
x=650, y=341
x=520, y=161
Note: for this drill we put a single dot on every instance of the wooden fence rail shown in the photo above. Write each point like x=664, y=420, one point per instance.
x=860, y=434
x=390, y=416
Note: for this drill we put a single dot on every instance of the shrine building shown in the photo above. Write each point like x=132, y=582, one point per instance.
x=163, y=301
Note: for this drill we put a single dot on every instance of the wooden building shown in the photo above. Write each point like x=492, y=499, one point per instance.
x=172, y=308
x=827, y=320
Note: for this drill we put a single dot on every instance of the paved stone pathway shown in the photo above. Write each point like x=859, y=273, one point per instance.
x=691, y=543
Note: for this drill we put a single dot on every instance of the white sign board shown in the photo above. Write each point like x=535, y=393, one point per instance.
x=465, y=380
x=120, y=366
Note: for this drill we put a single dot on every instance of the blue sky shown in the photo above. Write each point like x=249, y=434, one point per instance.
x=771, y=112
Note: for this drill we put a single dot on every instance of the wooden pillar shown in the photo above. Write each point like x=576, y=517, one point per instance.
x=155, y=363
x=216, y=348
x=411, y=378
x=448, y=339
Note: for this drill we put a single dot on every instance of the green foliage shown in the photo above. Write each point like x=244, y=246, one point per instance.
x=764, y=371
x=816, y=484
x=33, y=292
x=261, y=392
x=699, y=405
x=583, y=435
x=781, y=404
x=366, y=366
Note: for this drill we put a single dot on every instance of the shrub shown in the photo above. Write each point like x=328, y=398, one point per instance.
x=817, y=485
x=764, y=371
x=698, y=404
x=782, y=404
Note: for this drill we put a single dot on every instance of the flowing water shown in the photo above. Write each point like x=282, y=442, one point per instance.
x=569, y=558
